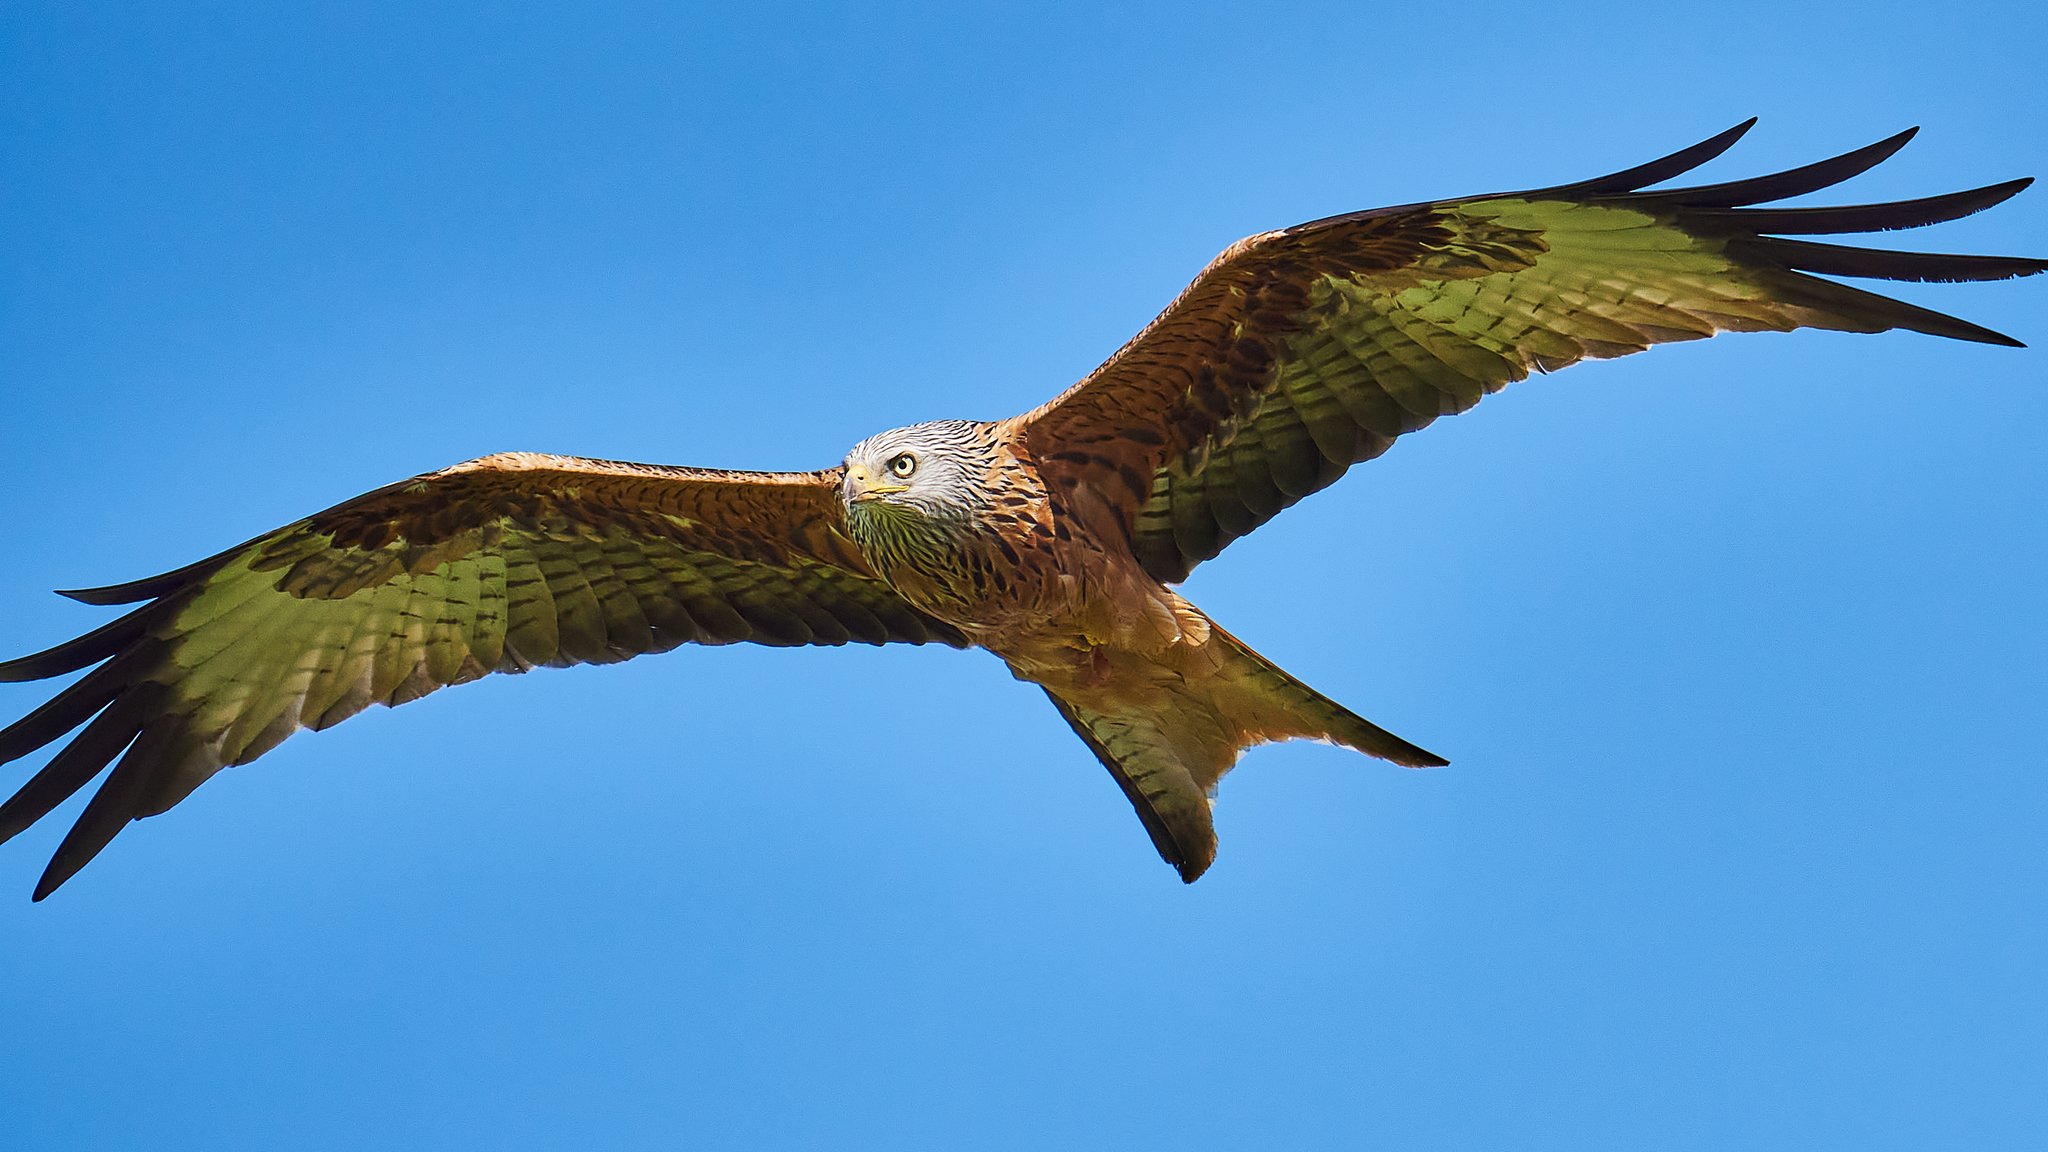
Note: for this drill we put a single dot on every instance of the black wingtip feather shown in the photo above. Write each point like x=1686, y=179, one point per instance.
x=111, y=808
x=1888, y=217
x=1791, y=182
x=72, y=768
x=1857, y=310
x=1880, y=264
x=133, y=592
x=1755, y=237
x=158, y=586
x=1656, y=171
x=72, y=655
x=59, y=714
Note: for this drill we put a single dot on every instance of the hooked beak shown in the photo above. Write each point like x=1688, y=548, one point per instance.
x=861, y=486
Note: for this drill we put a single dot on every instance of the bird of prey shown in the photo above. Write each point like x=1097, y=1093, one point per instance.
x=1052, y=539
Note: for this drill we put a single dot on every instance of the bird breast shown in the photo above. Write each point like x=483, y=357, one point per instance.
x=1024, y=580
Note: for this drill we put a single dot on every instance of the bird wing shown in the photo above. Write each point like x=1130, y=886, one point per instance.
x=497, y=565
x=1298, y=353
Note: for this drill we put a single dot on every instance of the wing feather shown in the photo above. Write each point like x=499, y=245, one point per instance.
x=497, y=565
x=1298, y=353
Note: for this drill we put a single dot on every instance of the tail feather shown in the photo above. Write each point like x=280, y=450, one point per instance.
x=1142, y=760
x=1168, y=741
x=1301, y=712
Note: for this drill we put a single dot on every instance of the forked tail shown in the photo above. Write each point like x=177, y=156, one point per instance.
x=1168, y=747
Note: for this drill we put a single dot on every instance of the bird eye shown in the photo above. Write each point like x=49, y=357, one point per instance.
x=902, y=465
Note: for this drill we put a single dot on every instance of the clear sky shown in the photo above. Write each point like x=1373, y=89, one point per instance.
x=1737, y=648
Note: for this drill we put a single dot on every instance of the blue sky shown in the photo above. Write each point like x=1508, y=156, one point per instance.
x=1736, y=648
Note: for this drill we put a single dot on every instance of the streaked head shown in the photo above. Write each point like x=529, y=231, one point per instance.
x=931, y=471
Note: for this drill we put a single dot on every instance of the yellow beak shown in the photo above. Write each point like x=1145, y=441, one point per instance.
x=861, y=485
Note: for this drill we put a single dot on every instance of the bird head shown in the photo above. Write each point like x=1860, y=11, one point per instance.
x=930, y=470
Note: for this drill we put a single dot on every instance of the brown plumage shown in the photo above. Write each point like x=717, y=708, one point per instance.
x=1049, y=538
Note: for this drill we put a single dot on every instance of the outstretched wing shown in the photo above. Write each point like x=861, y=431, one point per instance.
x=1301, y=352
x=498, y=565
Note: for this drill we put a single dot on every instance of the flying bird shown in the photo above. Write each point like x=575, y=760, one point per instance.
x=1051, y=539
